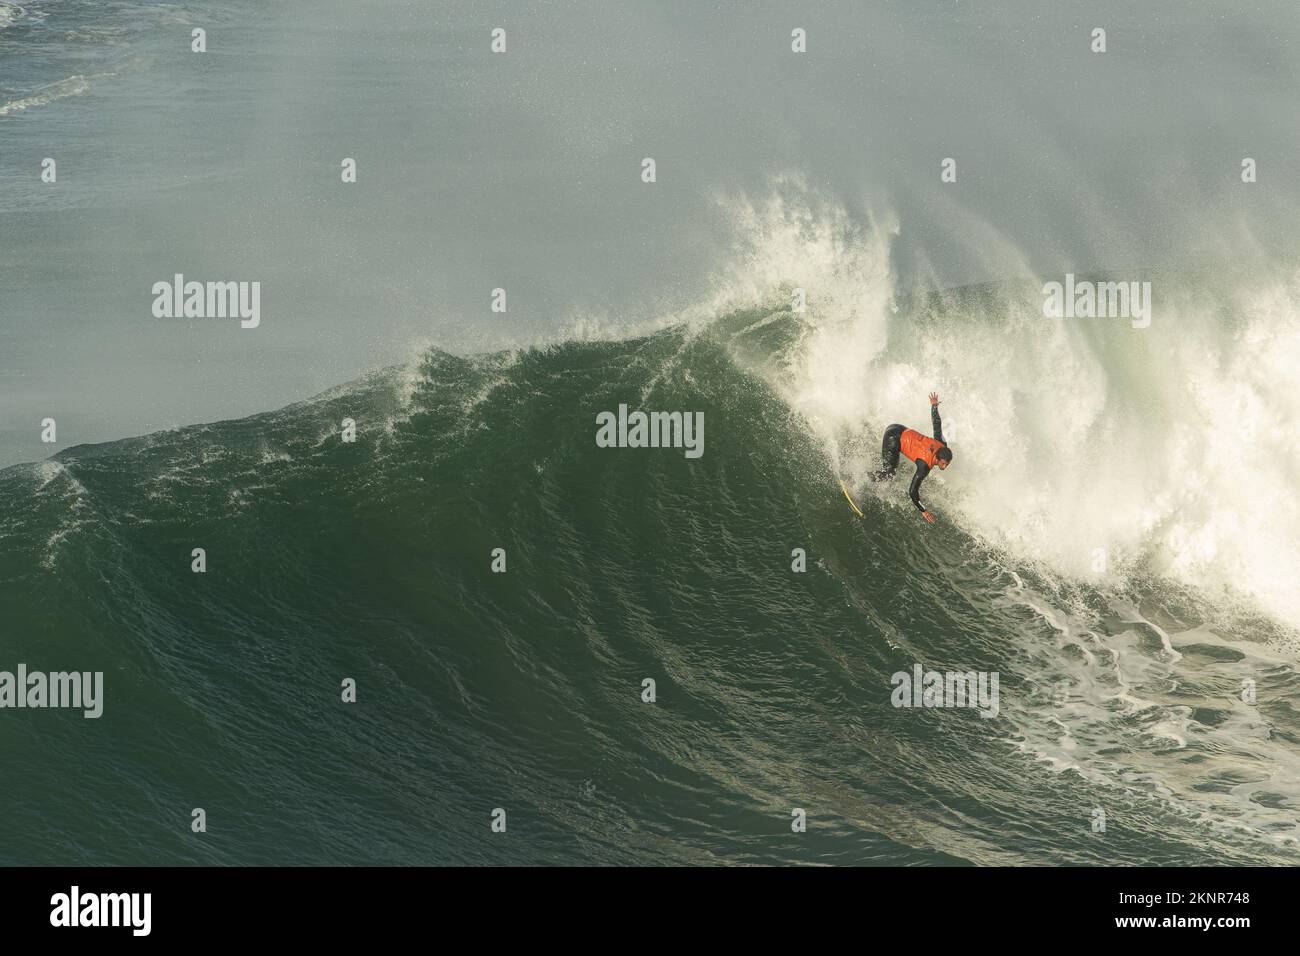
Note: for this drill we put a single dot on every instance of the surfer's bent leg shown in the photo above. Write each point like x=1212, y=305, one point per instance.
x=889, y=448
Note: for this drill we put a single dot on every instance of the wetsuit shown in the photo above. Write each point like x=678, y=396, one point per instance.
x=919, y=448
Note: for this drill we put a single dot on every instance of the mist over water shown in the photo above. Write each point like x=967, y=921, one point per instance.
x=1117, y=537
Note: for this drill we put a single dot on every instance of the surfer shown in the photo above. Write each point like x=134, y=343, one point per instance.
x=926, y=452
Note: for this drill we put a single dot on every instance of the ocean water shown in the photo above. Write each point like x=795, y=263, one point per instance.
x=523, y=690
x=1117, y=541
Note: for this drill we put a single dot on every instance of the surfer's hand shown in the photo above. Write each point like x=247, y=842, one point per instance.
x=927, y=516
x=934, y=398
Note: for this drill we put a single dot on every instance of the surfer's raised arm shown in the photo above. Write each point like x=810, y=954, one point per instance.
x=934, y=416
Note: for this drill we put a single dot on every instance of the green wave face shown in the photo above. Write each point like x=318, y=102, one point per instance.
x=524, y=690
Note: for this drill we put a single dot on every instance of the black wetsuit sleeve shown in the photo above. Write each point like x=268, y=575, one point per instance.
x=922, y=469
x=934, y=420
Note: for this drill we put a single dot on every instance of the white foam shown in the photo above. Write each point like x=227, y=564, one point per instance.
x=1078, y=443
x=57, y=481
x=70, y=86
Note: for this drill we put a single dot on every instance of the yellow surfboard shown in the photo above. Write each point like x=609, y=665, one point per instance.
x=852, y=504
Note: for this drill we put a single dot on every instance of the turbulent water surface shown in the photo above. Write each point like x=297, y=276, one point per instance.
x=522, y=690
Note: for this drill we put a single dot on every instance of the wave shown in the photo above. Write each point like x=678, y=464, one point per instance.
x=75, y=85
x=1123, y=688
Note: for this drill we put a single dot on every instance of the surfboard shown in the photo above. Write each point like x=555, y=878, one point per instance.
x=852, y=504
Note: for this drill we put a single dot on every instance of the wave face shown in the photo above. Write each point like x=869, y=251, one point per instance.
x=1120, y=690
